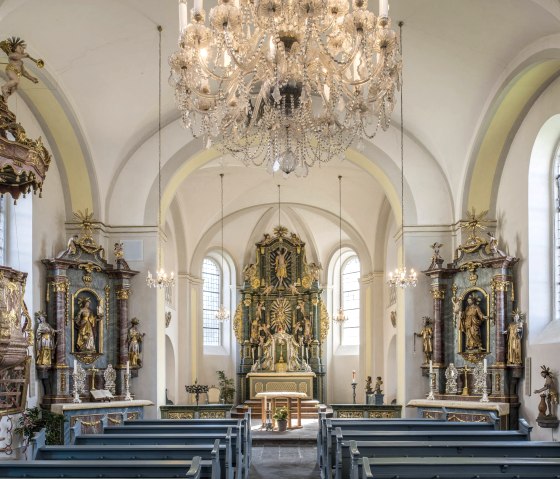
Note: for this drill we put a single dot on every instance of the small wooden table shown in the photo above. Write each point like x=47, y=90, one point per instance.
x=273, y=396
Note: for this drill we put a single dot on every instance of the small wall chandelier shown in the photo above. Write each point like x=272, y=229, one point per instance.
x=222, y=314
x=286, y=83
x=162, y=279
x=401, y=277
x=340, y=316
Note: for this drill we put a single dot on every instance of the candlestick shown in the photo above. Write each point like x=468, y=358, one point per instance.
x=431, y=395
x=354, y=392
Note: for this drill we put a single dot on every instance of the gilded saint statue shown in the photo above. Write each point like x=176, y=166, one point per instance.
x=134, y=341
x=86, y=321
x=470, y=324
x=15, y=49
x=514, y=334
x=45, y=341
x=426, y=333
x=280, y=267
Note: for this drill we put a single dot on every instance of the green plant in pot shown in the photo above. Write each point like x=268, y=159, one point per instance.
x=281, y=417
x=32, y=420
x=227, y=389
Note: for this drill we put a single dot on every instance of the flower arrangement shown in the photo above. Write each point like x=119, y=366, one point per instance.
x=281, y=414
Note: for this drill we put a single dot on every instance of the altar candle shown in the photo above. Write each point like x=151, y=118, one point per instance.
x=75, y=367
x=127, y=368
x=485, y=366
x=354, y=376
x=197, y=5
x=254, y=355
x=383, y=8
x=431, y=367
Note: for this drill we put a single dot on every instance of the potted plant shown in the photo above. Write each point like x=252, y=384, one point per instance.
x=227, y=389
x=32, y=420
x=281, y=417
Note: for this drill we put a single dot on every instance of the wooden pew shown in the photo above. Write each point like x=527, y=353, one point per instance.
x=246, y=433
x=347, y=464
x=238, y=443
x=216, y=453
x=460, y=468
x=326, y=425
x=230, y=438
x=111, y=469
x=334, y=442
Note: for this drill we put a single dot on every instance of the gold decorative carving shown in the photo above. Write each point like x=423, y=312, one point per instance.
x=471, y=267
x=303, y=387
x=499, y=285
x=107, y=304
x=60, y=286
x=498, y=381
x=281, y=386
x=63, y=381
x=122, y=293
x=238, y=323
x=325, y=323
x=87, y=358
x=438, y=293
x=86, y=241
x=88, y=268
x=306, y=282
x=473, y=223
x=114, y=421
x=342, y=414
x=132, y=416
x=181, y=415
x=212, y=414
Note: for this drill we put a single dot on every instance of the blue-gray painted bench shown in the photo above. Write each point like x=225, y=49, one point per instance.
x=216, y=453
x=326, y=425
x=348, y=463
x=238, y=443
x=245, y=423
x=339, y=435
x=460, y=468
x=112, y=469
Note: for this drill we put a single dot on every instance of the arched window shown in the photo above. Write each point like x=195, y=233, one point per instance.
x=556, y=229
x=351, y=301
x=211, y=299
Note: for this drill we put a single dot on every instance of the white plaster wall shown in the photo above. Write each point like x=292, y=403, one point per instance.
x=533, y=272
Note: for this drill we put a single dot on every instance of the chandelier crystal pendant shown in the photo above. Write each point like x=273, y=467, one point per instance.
x=161, y=279
x=401, y=277
x=286, y=83
x=340, y=316
x=222, y=314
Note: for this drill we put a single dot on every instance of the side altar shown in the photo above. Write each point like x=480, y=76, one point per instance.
x=281, y=321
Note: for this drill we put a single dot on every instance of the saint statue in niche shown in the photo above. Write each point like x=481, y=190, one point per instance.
x=86, y=321
x=280, y=266
x=471, y=323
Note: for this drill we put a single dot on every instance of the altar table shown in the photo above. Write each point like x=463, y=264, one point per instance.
x=273, y=396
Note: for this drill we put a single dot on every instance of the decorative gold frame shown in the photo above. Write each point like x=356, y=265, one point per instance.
x=87, y=357
x=478, y=356
x=23, y=401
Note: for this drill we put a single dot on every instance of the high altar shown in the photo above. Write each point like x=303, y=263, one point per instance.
x=281, y=321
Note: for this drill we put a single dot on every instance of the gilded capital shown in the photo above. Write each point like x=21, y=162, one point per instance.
x=122, y=293
x=60, y=286
x=438, y=293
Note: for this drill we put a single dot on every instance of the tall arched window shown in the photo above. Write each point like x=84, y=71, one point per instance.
x=211, y=296
x=556, y=229
x=351, y=301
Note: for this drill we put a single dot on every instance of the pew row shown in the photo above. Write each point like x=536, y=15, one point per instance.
x=215, y=453
x=326, y=425
x=241, y=446
x=112, y=469
x=460, y=468
x=334, y=442
x=234, y=458
x=348, y=462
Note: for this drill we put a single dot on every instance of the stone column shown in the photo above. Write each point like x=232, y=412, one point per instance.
x=499, y=291
x=60, y=289
x=438, y=353
x=122, y=294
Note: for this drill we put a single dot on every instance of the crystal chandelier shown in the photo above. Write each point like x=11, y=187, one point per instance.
x=222, y=314
x=162, y=279
x=401, y=277
x=286, y=83
x=340, y=316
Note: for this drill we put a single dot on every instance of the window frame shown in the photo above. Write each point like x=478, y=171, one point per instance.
x=344, y=327
x=219, y=293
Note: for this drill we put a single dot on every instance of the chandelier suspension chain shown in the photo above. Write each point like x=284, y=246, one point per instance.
x=340, y=239
x=279, y=205
x=222, y=220
x=401, y=23
x=159, y=265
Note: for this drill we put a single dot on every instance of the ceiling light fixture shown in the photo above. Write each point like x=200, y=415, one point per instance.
x=285, y=83
x=401, y=277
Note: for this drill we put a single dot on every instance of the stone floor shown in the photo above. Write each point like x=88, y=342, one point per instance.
x=284, y=461
x=291, y=454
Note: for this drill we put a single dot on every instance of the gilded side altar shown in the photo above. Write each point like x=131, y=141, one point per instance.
x=281, y=321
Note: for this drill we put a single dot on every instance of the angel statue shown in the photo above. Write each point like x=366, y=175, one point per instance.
x=14, y=47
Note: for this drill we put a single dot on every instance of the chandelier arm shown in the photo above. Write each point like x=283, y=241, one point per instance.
x=342, y=63
x=259, y=40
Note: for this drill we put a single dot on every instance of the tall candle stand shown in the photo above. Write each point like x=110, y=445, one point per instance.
x=354, y=392
x=484, y=397
x=127, y=396
x=432, y=377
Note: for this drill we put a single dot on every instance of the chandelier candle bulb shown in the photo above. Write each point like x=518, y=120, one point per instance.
x=383, y=8
x=183, y=15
